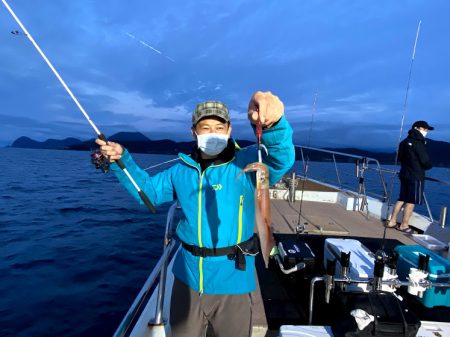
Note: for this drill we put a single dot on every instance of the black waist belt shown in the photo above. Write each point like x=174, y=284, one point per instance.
x=236, y=252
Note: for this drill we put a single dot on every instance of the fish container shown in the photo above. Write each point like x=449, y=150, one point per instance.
x=361, y=262
x=429, y=242
x=438, y=269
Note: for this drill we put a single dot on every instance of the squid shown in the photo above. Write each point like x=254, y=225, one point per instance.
x=263, y=218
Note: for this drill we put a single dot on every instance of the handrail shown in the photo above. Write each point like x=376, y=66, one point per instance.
x=336, y=152
x=364, y=164
x=161, y=269
x=365, y=161
x=158, y=320
x=131, y=314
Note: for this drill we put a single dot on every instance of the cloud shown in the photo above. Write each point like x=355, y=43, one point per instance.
x=138, y=110
x=356, y=58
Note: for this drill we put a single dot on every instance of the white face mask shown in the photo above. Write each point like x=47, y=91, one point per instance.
x=424, y=133
x=212, y=144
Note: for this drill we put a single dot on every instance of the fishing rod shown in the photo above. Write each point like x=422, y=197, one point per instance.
x=443, y=182
x=100, y=135
x=405, y=104
x=306, y=166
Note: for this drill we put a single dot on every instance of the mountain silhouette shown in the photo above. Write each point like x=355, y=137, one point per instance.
x=136, y=142
x=54, y=144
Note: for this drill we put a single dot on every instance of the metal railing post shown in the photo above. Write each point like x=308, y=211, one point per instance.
x=428, y=207
x=337, y=171
x=122, y=330
x=158, y=319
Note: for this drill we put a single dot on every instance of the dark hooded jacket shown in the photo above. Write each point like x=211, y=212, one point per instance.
x=413, y=156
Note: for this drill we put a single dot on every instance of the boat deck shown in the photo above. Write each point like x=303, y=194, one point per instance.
x=281, y=299
x=274, y=301
x=329, y=219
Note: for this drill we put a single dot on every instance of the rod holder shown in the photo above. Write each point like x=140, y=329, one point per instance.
x=443, y=217
x=378, y=273
x=329, y=279
x=392, y=263
x=292, y=186
x=345, y=268
x=423, y=262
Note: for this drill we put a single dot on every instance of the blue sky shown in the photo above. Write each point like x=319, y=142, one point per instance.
x=144, y=65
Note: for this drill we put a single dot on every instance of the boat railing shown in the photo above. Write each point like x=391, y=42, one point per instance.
x=159, y=273
x=362, y=165
x=385, y=175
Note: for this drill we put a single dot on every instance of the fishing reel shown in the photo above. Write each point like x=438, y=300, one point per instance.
x=99, y=160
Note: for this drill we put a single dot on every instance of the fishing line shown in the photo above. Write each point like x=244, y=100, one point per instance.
x=100, y=135
x=306, y=164
x=405, y=104
x=145, y=44
x=166, y=162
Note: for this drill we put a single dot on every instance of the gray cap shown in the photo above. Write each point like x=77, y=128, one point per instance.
x=210, y=109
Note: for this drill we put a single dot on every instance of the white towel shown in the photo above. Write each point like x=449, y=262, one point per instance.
x=362, y=318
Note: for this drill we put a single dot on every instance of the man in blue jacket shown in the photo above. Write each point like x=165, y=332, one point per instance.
x=213, y=277
x=414, y=160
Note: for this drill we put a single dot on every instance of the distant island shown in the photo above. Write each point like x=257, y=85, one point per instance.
x=136, y=142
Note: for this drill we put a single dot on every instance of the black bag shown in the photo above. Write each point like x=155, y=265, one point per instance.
x=293, y=251
x=391, y=316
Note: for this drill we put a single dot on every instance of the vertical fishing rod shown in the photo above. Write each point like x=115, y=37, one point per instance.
x=306, y=164
x=100, y=135
x=405, y=104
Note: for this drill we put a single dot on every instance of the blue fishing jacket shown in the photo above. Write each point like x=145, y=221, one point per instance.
x=219, y=208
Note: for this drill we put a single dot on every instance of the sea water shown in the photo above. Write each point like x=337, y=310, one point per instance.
x=75, y=247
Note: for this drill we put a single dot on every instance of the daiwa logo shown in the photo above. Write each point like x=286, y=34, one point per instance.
x=217, y=187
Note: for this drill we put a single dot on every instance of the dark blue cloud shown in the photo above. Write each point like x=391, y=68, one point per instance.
x=144, y=65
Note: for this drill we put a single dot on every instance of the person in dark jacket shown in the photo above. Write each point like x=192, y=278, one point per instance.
x=414, y=160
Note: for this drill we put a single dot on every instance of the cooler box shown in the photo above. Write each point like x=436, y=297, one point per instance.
x=438, y=269
x=361, y=261
x=305, y=331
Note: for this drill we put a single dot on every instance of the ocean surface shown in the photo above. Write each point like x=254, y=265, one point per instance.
x=75, y=247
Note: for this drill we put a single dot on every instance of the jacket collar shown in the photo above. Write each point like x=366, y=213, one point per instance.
x=415, y=134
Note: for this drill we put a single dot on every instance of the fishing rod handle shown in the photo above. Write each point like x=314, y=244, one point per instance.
x=141, y=193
